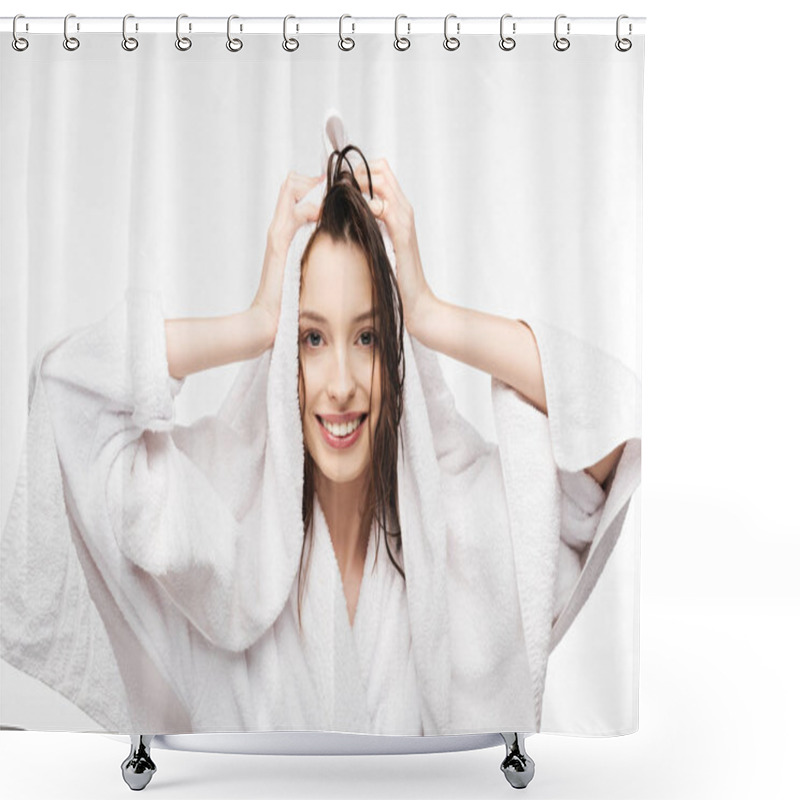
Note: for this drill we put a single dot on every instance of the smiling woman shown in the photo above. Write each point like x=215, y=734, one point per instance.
x=346, y=418
x=331, y=549
x=340, y=391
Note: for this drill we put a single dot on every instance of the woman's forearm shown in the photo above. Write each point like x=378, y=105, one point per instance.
x=503, y=347
x=195, y=344
x=601, y=471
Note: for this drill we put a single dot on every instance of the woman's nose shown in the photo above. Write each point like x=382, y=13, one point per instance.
x=343, y=384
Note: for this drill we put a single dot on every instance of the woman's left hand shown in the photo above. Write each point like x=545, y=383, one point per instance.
x=390, y=205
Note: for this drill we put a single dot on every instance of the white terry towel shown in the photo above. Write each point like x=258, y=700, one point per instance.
x=502, y=543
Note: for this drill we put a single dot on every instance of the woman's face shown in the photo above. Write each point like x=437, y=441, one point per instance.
x=339, y=359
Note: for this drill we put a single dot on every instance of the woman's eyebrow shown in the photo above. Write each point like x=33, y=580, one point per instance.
x=317, y=317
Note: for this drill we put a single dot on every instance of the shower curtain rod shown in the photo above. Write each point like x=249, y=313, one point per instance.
x=460, y=26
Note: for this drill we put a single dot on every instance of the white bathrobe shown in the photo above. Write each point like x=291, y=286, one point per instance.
x=149, y=569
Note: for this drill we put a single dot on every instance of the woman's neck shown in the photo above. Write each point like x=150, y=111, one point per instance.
x=342, y=504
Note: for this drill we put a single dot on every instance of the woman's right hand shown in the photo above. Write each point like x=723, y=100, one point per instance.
x=289, y=216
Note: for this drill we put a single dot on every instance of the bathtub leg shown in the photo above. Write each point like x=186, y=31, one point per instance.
x=518, y=766
x=138, y=767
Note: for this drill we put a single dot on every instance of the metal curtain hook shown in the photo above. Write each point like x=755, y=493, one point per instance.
x=18, y=42
x=561, y=43
x=182, y=42
x=70, y=42
x=234, y=45
x=289, y=44
x=401, y=43
x=506, y=42
x=623, y=45
x=451, y=42
x=346, y=43
x=129, y=43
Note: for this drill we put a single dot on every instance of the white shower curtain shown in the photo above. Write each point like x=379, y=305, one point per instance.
x=153, y=176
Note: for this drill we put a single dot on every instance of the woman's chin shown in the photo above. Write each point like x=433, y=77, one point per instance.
x=342, y=476
x=339, y=468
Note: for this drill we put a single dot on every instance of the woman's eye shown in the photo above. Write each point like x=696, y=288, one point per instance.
x=314, y=338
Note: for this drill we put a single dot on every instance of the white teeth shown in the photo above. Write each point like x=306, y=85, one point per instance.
x=341, y=430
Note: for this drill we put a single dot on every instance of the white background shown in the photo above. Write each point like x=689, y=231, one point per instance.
x=719, y=602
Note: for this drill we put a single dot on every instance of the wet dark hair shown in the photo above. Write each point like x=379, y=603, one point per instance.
x=345, y=217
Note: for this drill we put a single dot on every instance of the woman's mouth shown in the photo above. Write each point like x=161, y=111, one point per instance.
x=341, y=435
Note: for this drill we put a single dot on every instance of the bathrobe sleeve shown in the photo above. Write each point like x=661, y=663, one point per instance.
x=582, y=501
x=562, y=524
x=593, y=406
x=510, y=536
x=161, y=507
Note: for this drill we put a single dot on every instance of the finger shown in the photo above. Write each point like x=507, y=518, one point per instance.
x=380, y=186
x=384, y=196
x=378, y=206
x=299, y=192
x=299, y=185
x=296, y=176
x=361, y=173
x=384, y=182
x=381, y=167
x=384, y=201
x=308, y=212
x=384, y=211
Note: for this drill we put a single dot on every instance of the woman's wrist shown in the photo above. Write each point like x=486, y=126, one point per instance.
x=270, y=286
x=262, y=323
x=277, y=248
x=419, y=316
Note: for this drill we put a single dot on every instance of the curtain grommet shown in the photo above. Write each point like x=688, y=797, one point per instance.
x=345, y=42
x=19, y=43
x=289, y=44
x=183, y=43
x=129, y=43
x=401, y=42
x=451, y=42
x=234, y=45
x=623, y=44
x=507, y=42
x=70, y=43
x=561, y=43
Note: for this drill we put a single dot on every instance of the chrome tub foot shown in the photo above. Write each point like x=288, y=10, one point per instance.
x=517, y=766
x=138, y=767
